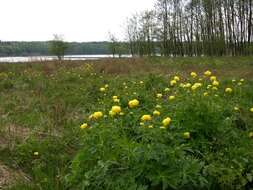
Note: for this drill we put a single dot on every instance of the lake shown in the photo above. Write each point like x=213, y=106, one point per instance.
x=50, y=58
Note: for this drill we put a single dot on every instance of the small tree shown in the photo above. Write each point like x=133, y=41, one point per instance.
x=113, y=44
x=58, y=46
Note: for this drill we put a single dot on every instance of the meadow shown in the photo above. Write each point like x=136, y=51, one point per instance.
x=127, y=124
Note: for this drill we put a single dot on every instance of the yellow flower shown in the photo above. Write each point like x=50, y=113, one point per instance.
x=196, y=85
x=251, y=135
x=251, y=109
x=216, y=83
x=162, y=127
x=205, y=94
x=102, y=89
x=176, y=78
x=146, y=118
x=239, y=83
x=158, y=106
x=188, y=85
x=106, y=86
x=213, y=78
x=173, y=82
x=208, y=86
x=159, y=95
x=142, y=124
x=115, y=97
x=172, y=97
x=236, y=108
x=36, y=153
x=133, y=103
x=116, y=109
x=141, y=82
x=233, y=80
x=207, y=73
x=166, y=89
x=187, y=135
x=242, y=80
x=150, y=127
x=182, y=85
x=116, y=100
x=112, y=114
x=214, y=88
x=84, y=126
x=193, y=75
x=166, y=122
x=97, y=115
x=156, y=113
x=228, y=90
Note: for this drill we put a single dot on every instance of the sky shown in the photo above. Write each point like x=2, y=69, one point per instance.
x=76, y=20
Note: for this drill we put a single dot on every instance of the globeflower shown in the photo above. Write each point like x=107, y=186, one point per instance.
x=205, y=94
x=156, y=113
x=196, y=85
x=187, y=135
x=116, y=109
x=158, y=106
x=133, y=103
x=236, y=108
x=207, y=73
x=172, y=97
x=166, y=89
x=84, y=126
x=159, y=95
x=251, y=135
x=116, y=100
x=193, y=75
x=188, y=85
x=36, y=153
x=173, y=82
x=228, y=90
x=115, y=97
x=97, y=115
x=251, y=109
x=102, y=89
x=213, y=78
x=166, y=122
x=112, y=114
x=216, y=83
x=176, y=78
x=146, y=118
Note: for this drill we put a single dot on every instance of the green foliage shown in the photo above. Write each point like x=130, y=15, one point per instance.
x=115, y=153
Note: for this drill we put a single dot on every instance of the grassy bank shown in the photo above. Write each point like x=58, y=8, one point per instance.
x=196, y=133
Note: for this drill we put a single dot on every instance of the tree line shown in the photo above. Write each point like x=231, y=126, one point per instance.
x=50, y=48
x=192, y=28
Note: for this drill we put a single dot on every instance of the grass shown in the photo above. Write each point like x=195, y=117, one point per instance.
x=205, y=146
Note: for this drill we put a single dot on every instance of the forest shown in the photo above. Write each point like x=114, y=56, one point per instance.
x=192, y=28
x=42, y=48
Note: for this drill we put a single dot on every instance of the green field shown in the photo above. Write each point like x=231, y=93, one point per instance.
x=186, y=129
